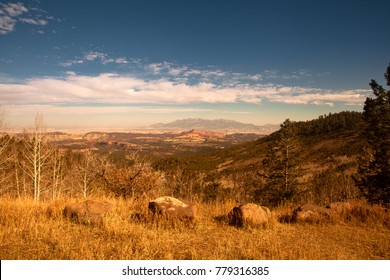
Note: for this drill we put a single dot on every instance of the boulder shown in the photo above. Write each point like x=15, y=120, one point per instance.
x=87, y=212
x=311, y=213
x=249, y=214
x=170, y=207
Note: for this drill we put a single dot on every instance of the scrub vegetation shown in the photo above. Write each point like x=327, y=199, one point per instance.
x=37, y=231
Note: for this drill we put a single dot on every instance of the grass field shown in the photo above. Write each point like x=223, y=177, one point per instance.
x=37, y=231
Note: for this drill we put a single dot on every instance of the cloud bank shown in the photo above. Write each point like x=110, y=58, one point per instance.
x=109, y=88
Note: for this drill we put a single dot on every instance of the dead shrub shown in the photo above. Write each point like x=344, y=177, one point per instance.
x=369, y=214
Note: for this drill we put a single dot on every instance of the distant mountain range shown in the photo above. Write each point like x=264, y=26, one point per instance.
x=219, y=125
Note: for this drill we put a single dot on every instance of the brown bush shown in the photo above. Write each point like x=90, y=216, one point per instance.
x=369, y=214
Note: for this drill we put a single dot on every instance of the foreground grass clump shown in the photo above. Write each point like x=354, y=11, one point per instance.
x=30, y=230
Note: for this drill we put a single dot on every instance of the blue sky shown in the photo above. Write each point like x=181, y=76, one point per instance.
x=129, y=64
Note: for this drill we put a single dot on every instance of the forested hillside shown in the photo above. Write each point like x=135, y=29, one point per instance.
x=325, y=157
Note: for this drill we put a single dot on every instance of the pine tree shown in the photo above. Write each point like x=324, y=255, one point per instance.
x=281, y=167
x=374, y=168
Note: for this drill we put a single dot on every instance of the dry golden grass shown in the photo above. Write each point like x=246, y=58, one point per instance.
x=34, y=231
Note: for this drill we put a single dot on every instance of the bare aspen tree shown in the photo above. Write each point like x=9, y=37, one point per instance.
x=57, y=172
x=5, y=143
x=37, y=155
x=86, y=172
x=17, y=172
x=90, y=171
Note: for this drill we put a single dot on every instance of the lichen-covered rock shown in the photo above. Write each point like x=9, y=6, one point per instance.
x=249, y=214
x=170, y=207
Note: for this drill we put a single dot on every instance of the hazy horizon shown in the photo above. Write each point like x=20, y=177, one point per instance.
x=147, y=128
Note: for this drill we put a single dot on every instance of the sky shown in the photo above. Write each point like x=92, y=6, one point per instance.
x=129, y=64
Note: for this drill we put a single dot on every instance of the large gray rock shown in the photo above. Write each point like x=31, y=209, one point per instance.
x=249, y=214
x=170, y=207
x=87, y=212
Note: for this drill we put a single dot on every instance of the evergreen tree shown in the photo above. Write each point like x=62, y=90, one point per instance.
x=281, y=167
x=374, y=168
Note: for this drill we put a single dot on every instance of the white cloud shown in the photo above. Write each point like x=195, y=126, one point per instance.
x=170, y=69
x=71, y=63
x=176, y=71
x=33, y=21
x=186, y=74
x=7, y=24
x=120, y=89
x=210, y=74
x=14, y=9
x=190, y=72
x=10, y=14
x=298, y=95
x=217, y=73
x=256, y=77
x=121, y=60
x=154, y=67
x=271, y=74
x=90, y=56
x=162, y=67
x=95, y=56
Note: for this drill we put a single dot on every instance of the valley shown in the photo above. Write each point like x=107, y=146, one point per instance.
x=154, y=143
